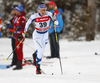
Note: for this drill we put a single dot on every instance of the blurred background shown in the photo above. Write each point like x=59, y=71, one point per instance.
x=81, y=17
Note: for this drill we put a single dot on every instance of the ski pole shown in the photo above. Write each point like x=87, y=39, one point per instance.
x=14, y=49
x=57, y=42
x=25, y=44
x=55, y=32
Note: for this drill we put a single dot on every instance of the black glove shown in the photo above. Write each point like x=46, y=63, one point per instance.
x=19, y=38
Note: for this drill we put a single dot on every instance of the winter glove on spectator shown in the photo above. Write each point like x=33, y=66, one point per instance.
x=56, y=22
x=19, y=38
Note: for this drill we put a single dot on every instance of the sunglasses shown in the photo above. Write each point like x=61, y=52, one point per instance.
x=43, y=9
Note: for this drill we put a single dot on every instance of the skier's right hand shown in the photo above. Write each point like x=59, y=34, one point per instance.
x=54, y=18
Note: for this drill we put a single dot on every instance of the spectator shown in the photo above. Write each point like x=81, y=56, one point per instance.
x=19, y=25
x=54, y=45
x=11, y=34
x=0, y=25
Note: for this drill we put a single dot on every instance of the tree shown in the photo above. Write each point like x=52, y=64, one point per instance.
x=29, y=6
x=90, y=29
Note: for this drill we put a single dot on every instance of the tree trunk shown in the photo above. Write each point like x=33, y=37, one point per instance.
x=90, y=30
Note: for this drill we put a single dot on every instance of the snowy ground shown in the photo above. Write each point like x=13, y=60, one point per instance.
x=80, y=65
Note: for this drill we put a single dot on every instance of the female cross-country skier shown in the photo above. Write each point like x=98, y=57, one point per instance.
x=40, y=35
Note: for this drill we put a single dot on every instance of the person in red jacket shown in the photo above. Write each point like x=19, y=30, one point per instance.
x=19, y=25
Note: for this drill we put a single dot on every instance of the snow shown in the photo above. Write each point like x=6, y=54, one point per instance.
x=79, y=63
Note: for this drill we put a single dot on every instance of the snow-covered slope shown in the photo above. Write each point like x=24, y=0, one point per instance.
x=79, y=63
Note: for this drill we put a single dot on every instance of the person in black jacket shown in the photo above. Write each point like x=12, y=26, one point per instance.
x=11, y=34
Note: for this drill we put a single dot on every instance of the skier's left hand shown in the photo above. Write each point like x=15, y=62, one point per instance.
x=24, y=34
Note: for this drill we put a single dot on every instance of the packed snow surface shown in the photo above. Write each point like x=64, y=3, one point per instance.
x=79, y=63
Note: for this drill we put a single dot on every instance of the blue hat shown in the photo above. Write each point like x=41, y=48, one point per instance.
x=19, y=8
x=42, y=6
x=13, y=7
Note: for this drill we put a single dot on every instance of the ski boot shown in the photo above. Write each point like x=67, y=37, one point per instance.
x=34, y=59
x=19, y=65
x=38, y=70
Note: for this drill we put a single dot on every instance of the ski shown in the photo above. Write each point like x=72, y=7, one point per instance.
x=53, y=58
x=42, y=57
x=25, y=62
x=8, y=66
x=31, y=63
x=4, y=66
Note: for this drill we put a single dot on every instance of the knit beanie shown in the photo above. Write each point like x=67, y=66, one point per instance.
x=19, y=8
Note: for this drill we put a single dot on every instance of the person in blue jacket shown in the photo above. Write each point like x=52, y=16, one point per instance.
x=54, y=45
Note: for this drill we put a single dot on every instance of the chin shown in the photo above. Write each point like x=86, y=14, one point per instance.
x=42, y=14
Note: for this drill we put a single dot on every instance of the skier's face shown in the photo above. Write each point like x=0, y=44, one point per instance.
x=17, y=13
x=13, y=11
x=51, y=6
x=42, y=11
